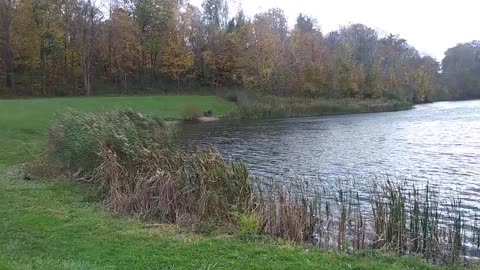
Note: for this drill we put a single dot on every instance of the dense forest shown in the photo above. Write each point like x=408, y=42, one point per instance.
x=75, y=47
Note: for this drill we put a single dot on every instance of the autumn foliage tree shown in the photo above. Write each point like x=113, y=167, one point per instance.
x=308, y=60
x=120, y=48
x=177, y=59
x=77, y=47
x=461, y=67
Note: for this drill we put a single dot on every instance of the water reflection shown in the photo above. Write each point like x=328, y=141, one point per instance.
x=439, y=143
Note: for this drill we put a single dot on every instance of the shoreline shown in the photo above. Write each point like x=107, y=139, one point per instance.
x=221, y=118
x=99, y=234
x=285, y=107
x=237, y=114
x=327, y=114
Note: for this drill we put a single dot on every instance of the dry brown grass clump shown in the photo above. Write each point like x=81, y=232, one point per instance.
x=192, y=112
x=399, y=219
x=133, y=160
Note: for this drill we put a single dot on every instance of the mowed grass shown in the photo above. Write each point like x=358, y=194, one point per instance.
x=58, y=225
x=24, y=122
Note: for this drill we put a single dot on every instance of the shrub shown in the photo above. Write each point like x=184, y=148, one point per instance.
x=76, y=139
x=248, y=225
x=231, y=96
x=192, y=112
x=277, y=107
x=240, y=96
x=396, y=94
x=133, y=159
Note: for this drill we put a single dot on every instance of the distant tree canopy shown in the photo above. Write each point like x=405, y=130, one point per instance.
x=72, y=47
x=461, y=69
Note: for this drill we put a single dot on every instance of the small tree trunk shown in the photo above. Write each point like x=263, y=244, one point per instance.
x=178, y=85
x=43, y=64
x=142, y=70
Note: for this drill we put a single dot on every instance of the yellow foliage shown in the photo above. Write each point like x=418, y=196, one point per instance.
x=177, y=59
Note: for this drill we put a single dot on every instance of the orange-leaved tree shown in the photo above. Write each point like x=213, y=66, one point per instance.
x=177, y=59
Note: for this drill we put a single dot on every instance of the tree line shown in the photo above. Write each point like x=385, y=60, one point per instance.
x=76, y=47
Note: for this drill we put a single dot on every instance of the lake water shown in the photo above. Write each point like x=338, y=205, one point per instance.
x=437, y=143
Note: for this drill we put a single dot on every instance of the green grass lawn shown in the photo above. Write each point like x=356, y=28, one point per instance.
x=57, y=225
x=24, y=122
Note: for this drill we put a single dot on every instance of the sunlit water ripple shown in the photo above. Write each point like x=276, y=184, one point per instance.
x=437, y=143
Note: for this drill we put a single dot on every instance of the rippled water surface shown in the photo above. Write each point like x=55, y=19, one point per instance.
x=439, y=143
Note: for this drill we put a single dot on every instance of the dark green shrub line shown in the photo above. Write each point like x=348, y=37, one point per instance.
x=278, y=107
x=133, y=160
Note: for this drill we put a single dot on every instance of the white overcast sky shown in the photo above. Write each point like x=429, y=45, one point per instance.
x=430, y=26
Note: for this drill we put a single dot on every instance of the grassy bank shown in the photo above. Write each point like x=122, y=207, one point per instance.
x=276, y=107
x=59, y=225
x=24, y=122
